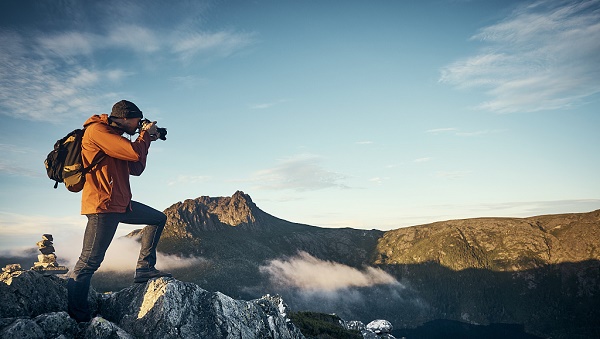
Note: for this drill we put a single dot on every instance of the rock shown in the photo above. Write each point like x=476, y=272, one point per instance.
x=22, y=328
x=47, y=263
x=380, y=326
x=29, y=294
x=168, y=308
x=378, y=329
x=56, y=324
x=100, y=328
x=12, y=268
x=354, y=325
x=47, y=258
x=34, y=306
x=60, y=325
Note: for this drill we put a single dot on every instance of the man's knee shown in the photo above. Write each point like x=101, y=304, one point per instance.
x=162, y=219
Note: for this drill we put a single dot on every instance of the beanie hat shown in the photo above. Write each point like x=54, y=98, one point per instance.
x=126, y=109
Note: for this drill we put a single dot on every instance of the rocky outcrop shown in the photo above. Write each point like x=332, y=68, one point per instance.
x=34, y=306
x=30, y=294
x=376, y=329
x=168, y=308
x=214, y=214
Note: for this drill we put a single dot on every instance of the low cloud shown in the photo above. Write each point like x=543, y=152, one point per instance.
x=122, y=255
x=309, y=283
x=308, y=273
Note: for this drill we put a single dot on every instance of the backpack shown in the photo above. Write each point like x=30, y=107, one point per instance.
x=64, y=164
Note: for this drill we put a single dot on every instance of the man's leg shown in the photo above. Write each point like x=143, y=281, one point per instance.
x=99, y=232
x=150, y=235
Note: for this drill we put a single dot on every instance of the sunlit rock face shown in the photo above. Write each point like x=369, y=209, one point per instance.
x=168, y=308
x=34, y=306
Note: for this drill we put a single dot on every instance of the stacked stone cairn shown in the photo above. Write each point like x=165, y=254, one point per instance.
x=47, y=263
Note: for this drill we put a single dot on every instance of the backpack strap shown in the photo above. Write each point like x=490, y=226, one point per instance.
x=97, y=158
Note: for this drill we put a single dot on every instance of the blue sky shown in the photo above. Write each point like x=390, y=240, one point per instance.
x=364, y=114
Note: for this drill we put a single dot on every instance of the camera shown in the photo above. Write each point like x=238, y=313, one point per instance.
x=162, y=132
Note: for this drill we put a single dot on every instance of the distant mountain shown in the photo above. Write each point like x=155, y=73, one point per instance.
x=542, y=273
x=237, y=238
x=497, y=244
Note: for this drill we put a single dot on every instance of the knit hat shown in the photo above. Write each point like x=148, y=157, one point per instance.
x=126, y=109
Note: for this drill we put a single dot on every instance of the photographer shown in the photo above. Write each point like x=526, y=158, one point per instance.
x=106, y=198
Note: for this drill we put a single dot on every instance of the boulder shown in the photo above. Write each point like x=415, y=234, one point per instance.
x=29, y=294
x=35, y=306
x=168, y=308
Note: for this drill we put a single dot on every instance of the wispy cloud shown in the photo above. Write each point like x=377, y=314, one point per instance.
x=543, y=56
x=458, y=132
x=421, y=160
x=217, y=44
x=15, y=149
x=266, y=105
x=379, y=180
x=441, y=130
x=301, y=173
x=514, y=209
x=11, y=168
x=56, y=74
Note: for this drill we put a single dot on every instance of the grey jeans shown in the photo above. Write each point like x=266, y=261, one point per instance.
x=99, y=232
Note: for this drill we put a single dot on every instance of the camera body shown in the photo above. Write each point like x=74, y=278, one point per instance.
x=162, y=132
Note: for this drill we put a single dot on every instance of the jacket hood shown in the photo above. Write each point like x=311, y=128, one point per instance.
x=102, y=118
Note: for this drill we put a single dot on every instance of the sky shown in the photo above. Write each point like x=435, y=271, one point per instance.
x=364, y=114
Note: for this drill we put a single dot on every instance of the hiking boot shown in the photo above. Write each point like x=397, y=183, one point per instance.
x=143, y=276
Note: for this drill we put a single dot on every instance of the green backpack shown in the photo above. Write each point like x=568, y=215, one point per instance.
x=64, y=164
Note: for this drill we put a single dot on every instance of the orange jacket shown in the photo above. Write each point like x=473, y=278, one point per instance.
x=106, y=186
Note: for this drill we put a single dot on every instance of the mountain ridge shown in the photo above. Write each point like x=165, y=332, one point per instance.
x=478, y=270
x=541, y=272
x=496, y=243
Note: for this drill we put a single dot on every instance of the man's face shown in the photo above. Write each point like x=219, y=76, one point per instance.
x=131, y=125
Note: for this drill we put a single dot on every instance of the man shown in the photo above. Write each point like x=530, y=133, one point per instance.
x=106, y=199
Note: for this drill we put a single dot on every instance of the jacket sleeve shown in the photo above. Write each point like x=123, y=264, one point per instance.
x=137, y=167
x=118, y=147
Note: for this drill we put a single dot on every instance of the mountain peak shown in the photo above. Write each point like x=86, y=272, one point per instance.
x=215, y=213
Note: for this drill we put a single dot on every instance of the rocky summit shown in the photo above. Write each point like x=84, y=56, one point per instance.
x=34, y=306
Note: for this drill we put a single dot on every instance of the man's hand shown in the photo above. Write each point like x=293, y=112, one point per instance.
x=151, y=129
